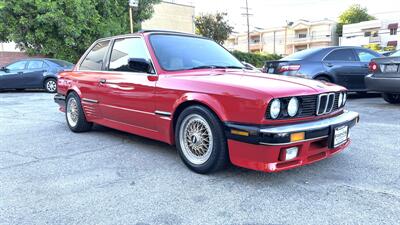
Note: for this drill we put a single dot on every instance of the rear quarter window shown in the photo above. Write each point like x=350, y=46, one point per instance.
x=94, y=60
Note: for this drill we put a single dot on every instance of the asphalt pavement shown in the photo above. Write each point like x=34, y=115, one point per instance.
x=49, y=175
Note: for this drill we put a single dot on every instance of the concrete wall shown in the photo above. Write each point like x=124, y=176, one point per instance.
x=171, y=16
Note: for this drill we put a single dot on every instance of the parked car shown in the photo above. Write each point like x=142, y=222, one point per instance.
x=388, y=53
x=385, y=77
x=32, y=73
x=346, y=66
x=189, y=91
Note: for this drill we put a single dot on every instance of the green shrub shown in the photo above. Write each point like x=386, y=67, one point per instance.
x=257, y=60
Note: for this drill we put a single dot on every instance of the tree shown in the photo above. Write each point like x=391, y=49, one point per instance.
x=354, y=14
x=213, y=26
x=65, y=28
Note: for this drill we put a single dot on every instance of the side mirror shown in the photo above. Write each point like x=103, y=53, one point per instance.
x=3, y=68
x=140, y=65
x=247, y=65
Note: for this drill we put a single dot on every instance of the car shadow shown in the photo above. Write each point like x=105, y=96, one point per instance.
x=231, y=172
x=353, y=95
x=24, y=91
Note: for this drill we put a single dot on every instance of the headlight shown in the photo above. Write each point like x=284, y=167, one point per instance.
x=344, y=98
x=340, y=100
x=293, y=106
x=275, y=109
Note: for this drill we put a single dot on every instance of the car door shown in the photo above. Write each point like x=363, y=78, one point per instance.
x=87, y=78
x=364, y=56
x=126, y=93
x=11, y=77
x=342, y=64
x=34, y=74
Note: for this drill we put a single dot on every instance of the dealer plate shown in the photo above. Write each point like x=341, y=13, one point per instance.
x=340, y=135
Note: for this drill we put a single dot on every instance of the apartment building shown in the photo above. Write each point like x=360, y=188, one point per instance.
x=382, y=32
x=286, y=40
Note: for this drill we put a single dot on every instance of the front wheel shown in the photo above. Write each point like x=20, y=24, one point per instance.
x=200, y=140
x=74, y=114
x=50, y=85
x=391, y=98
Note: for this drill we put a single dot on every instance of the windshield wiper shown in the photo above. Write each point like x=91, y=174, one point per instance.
x=215, y=67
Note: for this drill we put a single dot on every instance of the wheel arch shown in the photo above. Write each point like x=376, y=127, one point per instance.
x=186, y=101
x=326, y=75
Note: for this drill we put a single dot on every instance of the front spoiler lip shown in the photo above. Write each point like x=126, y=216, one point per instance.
x=280, y=135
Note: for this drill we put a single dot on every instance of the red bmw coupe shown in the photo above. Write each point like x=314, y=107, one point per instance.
x=189, y=91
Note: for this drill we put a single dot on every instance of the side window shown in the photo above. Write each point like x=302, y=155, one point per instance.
x=35, y=64
x=125, y=49
x=20, y=65
x=95, y=59
x=341, y=55
x=365, y=56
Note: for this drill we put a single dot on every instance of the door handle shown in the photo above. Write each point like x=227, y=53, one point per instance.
x=329, y=64
x=20, y=73
x=102, y=81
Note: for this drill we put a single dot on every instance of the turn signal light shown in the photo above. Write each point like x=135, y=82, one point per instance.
x=239, y=132
x=300, y=136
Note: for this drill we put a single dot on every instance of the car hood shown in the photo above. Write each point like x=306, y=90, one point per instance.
x=274, y=85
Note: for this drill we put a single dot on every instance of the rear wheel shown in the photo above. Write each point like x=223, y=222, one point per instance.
x=50, y=85
x=391, y=98
x=74, y=114
x=200, y=140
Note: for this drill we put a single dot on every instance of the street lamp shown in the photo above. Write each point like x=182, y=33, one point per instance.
x=132, y=4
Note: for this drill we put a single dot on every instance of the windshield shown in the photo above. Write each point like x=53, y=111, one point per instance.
x=62, y=63
x=396, y=53
x=302, y=54
x=176, y=52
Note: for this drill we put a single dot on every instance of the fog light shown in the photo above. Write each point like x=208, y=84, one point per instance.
x=291, y=153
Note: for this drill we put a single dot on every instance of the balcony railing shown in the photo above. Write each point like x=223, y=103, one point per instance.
x=375, y=39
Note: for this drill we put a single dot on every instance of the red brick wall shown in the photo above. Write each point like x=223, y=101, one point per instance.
x=7, y=57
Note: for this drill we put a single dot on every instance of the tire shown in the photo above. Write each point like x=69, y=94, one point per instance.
x=74, y=114
x=50, y=85
x=323, y=78
x=196, y=153
x=391, y=98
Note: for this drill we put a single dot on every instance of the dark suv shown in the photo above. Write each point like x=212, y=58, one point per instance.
x=346, y=66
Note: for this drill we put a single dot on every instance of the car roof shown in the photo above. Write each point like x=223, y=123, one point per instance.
x=149, y=32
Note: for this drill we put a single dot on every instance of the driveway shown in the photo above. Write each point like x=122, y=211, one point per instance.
x=49, y=175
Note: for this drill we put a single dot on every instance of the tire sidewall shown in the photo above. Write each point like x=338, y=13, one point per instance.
x=219, y=142
x=45, y=85
x=81, y=116
x=391, y=98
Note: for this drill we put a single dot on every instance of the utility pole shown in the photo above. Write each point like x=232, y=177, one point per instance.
x=247, y=14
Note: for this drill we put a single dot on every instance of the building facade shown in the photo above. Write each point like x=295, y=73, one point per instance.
x=171, y=16
x=380, y=32
x=288, y=39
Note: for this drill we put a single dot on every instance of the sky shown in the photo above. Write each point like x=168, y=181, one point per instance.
x=274, y=13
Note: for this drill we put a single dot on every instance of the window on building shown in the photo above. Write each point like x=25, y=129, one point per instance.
x=301, y=35
x=95, y=59
x=367, y=34
x=393, y=31
x=341, y=55
x=125, y=49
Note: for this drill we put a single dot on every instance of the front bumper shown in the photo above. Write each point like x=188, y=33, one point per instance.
x=383, y=84
x=262, y=147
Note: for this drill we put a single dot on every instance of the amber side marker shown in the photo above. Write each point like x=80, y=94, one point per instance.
x=239, y=132
x=300, y=136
